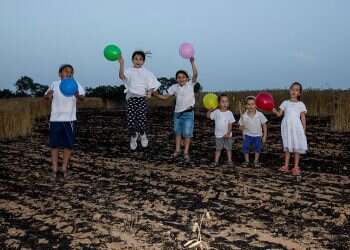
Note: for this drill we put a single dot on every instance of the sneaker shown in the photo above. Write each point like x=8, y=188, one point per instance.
x=284, y=169
x=133, y=142
x=245, y=164
x=257, y=164
x=144, y=140
x=296, y=171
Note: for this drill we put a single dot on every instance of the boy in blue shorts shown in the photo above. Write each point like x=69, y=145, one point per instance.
x=253, y=124
x=62, y=120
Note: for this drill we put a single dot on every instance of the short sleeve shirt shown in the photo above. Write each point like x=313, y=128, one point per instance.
x=252, y=124
x=184, y=96
x=222, y=120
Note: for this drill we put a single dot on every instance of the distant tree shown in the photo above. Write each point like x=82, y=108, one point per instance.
x=25, y=86
x=115, y=93
x=167, y=82
x=6, y=93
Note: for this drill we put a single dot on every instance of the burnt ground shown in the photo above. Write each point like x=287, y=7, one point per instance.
x=117, y=199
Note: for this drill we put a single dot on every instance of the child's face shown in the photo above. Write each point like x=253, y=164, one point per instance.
x=251, y=105
x=294, y=91
x=182, y=79
x=67, y=72
x=138, y=61
x=224, y=103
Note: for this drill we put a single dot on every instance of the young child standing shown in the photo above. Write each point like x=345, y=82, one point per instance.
x=184, y=108
x=293, y=127
x=139, y=83
x=62, y=120
x=253, y=124
x=223, y=118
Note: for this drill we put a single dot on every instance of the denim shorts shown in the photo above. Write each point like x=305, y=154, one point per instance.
x=252, y=141
x=184, y=123
x=62, y=135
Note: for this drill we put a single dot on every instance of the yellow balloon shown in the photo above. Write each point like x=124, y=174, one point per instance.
x=210, y=101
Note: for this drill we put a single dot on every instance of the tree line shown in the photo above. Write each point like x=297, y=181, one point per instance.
x=26, y=87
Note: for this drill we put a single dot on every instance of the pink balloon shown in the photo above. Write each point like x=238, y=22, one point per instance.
x=186, y=50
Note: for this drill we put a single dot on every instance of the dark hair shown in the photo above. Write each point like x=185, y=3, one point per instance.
x=249, y=98
x=139, y=53
x=300, y=87
x=222, y=96
x=181, y=72
x=63, y=66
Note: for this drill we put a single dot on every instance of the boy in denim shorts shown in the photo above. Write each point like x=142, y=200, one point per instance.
x=253, y=124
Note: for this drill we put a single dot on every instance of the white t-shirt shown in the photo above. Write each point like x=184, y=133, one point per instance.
x=252, y=125
x=222, y=120
x=63, y=108
x=139, y=81
x=184, y=96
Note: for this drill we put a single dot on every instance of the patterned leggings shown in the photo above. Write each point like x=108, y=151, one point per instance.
x=137, y=111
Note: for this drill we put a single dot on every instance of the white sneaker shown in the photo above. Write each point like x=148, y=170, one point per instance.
x=144, y=140
x=133, y=142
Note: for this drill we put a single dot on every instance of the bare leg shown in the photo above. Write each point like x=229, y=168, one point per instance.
x=296, y=159
x=257, y=155
x=66, y=156
x=246, y=157
x=178, y=140
x=229, y=156
x=187, y=145
x=217, y=156
x=286, y=159
x=54, y=159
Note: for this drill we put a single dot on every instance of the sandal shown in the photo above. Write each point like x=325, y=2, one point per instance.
x=296, y=171
x=187, y=157
x=175, y=155
x=284, y=168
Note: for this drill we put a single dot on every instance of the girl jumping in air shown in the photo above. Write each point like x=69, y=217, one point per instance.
x=184, y=108
x=293, y=127
x=139, y=83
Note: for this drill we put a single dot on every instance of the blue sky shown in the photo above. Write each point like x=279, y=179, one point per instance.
x=251, y=44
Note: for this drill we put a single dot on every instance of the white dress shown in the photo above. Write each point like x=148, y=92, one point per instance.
x=293, y=134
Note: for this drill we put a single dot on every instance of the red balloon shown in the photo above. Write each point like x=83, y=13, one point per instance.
x=264, y=101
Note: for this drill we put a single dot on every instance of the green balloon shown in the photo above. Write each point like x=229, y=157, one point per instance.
x=112, y=52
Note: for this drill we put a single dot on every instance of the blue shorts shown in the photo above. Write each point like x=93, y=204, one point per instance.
x=62, y=134
x=184, y=123
x=250, y=141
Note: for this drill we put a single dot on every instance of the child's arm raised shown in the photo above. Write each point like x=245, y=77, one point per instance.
x=121, y=69
x=303, y=120
x=194, y=71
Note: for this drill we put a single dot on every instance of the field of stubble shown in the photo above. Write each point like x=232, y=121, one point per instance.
x=117, y=199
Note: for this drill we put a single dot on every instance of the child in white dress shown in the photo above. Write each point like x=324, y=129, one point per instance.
x=293, y=127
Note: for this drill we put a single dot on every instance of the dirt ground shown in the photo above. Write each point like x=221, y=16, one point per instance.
x=117, y=199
